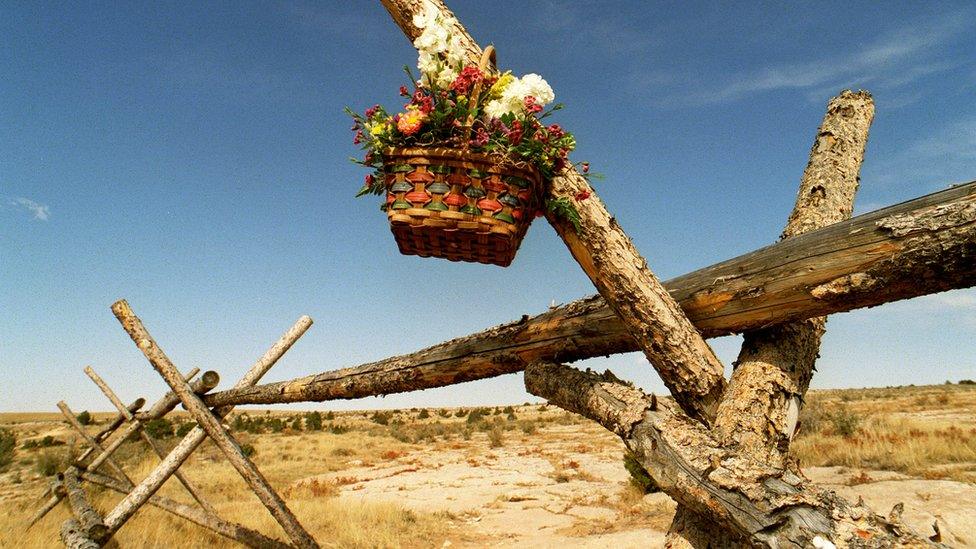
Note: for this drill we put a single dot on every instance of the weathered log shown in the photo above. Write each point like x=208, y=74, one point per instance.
x=149, y=440
x=759, y=410
x=73, y=421
x=682, y=358
x=919, y=247
x=163, y=406
x=131, y=503
x=769, y=507
x=119, y=419
x=73, y=537
x=210, y=521
x=89, y=521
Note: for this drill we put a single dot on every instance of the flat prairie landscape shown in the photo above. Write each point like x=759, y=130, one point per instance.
x=526, y=476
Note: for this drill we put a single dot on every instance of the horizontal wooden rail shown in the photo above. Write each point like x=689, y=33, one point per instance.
x=919, y=247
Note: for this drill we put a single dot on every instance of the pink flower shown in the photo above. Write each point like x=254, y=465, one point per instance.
x=358, y=138
x=514, y=133
x=582, y=195
x=531, y=105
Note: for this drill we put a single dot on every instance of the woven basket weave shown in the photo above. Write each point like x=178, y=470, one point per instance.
x=459, y=205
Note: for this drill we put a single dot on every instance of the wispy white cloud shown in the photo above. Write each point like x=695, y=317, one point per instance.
x=39, y=211
x=891, y=62
x=941, y=155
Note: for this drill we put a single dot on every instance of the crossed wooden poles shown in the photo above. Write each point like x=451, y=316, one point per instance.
x=88, y=528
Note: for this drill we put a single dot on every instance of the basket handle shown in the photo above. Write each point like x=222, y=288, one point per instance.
x=487, y=56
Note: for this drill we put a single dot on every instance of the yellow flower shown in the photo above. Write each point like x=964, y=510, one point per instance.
x=500, y=85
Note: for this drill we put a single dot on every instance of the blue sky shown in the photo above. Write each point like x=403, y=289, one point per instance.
x=192, y=158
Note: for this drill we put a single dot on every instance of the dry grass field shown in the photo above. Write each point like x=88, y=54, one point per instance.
x=528, y=476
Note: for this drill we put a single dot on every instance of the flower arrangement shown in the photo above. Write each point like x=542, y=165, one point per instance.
x=458, y=105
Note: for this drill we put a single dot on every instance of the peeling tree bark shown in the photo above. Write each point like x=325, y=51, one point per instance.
x=916, y=248
x=682, y=358
x=768, y=507
x=758, y=413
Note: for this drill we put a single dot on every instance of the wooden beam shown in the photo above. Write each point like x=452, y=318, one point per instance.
x=679, y=353
x=210, y=521
x=73, y=421
x=769, y=507
x=923, y=246
x=758, y=414
x=138, y=496
x=146, y=437
x=90, y=523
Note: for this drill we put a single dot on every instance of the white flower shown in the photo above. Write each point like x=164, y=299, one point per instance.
x=535, y=86
x=496, y=109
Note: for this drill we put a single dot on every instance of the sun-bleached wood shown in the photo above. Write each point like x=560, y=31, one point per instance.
x=141, y=493
x=758, y=413
x=767, y=506
x=210, y=521
x=149, y=440
x=90, y=523
x=923, y=246
x=73, y=537
x=682, y=358
x=73, y=421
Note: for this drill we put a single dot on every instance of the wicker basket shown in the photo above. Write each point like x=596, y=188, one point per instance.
x=459, y=205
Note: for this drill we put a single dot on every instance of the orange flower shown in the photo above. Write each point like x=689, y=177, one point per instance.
x=411, y=121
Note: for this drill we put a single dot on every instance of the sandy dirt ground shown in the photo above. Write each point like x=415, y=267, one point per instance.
x=566, y=494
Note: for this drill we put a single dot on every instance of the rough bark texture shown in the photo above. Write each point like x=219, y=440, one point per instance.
x=682, y=358
x=758, y=414
x=149, y=440
x=916, y=248
x=90, y=523
x=211, y=424
x=73, y=421
x=73, y=537
x=210, y=521
x=769, y=507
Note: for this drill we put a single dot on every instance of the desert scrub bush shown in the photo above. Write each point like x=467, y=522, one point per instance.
x=638, y=475
x=46, y=442
x=511, y=416
x=496, y=438
x=528, y=427
x=461, y=412
x=476, y=415
x=8, y=444
x=248, y=450
x=381, y=418
x=185, y=428
x=508, y=410
x=313, y=421
x=812, y=417
x=337, y=429
x=159, y=428
x=296, y=424
x=84, y=418
x=276, y=425
x=424, y=414
x=845, y=422
x=330, y=415
x=51, y=461
x=444, y=413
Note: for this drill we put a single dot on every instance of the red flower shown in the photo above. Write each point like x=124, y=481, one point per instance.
x=480, y=138
x=585, y=166
x=369, y=180
x=531, y=105
x=466, y=79
x=582, y=195
x=514, y=133
x=358, y=138
x=403, y=91
x=371, y=111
